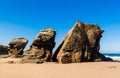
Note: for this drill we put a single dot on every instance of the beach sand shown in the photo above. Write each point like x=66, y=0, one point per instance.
x=53, y=70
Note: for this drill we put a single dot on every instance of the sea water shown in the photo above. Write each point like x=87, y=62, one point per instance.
x=115, y=56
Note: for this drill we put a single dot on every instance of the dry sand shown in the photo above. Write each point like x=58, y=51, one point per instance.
x=53, y=70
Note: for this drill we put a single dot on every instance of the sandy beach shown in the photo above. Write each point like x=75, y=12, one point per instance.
x=53, y=70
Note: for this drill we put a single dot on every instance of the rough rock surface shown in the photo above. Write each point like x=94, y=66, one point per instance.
x=94, y=34
x=16, y=47
x=74, y=47
x=3, y=50
x=41, y=48
x=82, y=43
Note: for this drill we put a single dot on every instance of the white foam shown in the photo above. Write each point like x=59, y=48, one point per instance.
x=114, y=57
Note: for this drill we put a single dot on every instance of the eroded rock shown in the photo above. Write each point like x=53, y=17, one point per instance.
x=41, y=48
x=82, y=43
x=74, y=47
x=94, y=34
x=16, y=47
x=3, y=50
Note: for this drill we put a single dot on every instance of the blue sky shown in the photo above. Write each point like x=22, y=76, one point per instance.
x=25, y=18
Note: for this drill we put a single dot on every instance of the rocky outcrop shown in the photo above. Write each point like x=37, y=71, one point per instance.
x=82, y=43
x=74, y=47
x=16, y=47
x=3, y=50
x=41, y=48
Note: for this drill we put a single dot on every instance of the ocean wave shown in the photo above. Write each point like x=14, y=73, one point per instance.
x=114, y=57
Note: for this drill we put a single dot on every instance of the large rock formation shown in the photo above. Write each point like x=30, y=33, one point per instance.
x=74, y=47
x=41, y=48
x=16, y=47
x=80, y=44
x=3, y=50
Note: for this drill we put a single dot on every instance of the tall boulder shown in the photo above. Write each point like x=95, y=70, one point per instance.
x=74, y=47
x=41, y=48
x=16, y=47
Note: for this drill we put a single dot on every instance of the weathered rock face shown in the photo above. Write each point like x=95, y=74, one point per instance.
x=74, y=47
x=41, y=48
x=16, y=47
x=82, y=43
x=94, y=34
x=3, y=50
